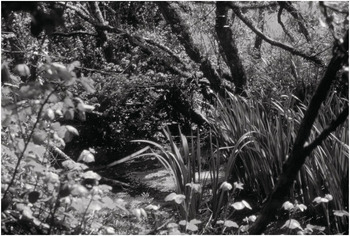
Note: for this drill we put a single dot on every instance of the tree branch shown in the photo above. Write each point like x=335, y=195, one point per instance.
x=332, y=126
x=279, y=20
x=72, y=34
x=286, y=47
x=297, y=16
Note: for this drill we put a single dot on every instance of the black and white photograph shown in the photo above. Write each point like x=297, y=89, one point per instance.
x=174, y=117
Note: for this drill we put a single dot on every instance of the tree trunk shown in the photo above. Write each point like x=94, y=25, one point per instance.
x=182, y=31
x=228, y=45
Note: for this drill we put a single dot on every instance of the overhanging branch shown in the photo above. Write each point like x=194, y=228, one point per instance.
x=286, y=47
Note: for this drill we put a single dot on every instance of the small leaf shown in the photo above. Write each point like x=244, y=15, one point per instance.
x=178, y=198
x=197, y=188
x=225, y=186
x=287, y=206
x=316, y=227
x=86, y=157
x=329, y=197
x=320, y=199
x=172, y=225
x=33, y=196
x=195, y=221
x=238, y=185
x=246, y=204
x=191, y=227
x=340, y=213
x=292, y=224
x=183, y=222
x=238, y=205
x=229, y=224
x=301, y=207
x=252, y=218
x=152, y=207
x=78, y=190
x=72, y=130
x=91, y=175
x=39, y=137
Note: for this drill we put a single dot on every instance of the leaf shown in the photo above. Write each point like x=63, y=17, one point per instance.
x=241, y=205
x=195, y=221
x=238, y=205
x=238, y=185
x=340, y=213
x=78, y=190
x=91, y=175
x=287, y=206
x=301, y=207
x=191, y=227
x=320, y=199
x=52, y=177
x=292, y=224
x=39, y=137
x=197, y=188
x=69, y=114
x=172, y=225
x=229, y=223
x=328, y=197
x=225, y=186
x=33, y=196
x=246, y=204
x=86, y=157
x=87, y=84
x=183, y=222
x=152, y=207
x=316, y=227
x=72, y=130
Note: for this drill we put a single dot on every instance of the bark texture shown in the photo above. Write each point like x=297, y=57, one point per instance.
x=229, y=48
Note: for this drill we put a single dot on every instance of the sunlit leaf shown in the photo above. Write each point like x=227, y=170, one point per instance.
x=246, y=204
x=197, y=188
x=229, y=223
x=191, y=227
x=238, y=205
x=39, y=137
x=301, y=207
x=320, y=199
x=315, y=227
x=340, y=213
x=195, y=221
x=225, y=186
x=328, y=197
x=238, y=185
x=287, y=206
x=152, y=207
x=183, y=222
x=91, y=175
x=86, y=157
x=292, y=224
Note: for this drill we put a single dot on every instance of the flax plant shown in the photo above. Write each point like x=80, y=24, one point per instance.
x=270, y=129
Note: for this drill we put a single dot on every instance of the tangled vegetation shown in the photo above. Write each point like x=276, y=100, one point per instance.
x=245, y=105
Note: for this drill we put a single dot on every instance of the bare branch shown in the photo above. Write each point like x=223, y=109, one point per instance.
x=297, y=16
x=332, y=126
x=286, y=47
x=279, y=20
x=72, y=34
